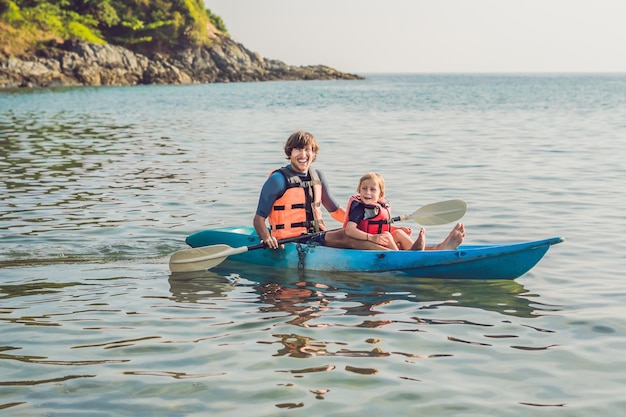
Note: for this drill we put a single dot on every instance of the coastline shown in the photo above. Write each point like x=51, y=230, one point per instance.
x=79, y=63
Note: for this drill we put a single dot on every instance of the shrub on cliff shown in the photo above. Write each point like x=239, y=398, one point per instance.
x=140, y=25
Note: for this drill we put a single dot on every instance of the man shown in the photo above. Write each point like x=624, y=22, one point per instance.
x=292, y=197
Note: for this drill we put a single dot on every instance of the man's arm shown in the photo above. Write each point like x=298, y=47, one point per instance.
x=329, y=202
x=264, y=234
x=339, y=215
x=273, y=187
x=261, y=229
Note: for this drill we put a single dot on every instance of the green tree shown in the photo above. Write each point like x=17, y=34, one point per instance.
x=141, y=25
x=216, y=21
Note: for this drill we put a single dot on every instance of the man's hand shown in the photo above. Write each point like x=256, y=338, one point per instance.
x=270, y=242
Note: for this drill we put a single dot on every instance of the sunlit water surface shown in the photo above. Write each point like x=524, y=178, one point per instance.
x=100, y=185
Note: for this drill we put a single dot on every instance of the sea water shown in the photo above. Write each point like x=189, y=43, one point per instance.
x=100, y=185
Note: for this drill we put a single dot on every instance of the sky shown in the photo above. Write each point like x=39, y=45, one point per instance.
x=433, y=36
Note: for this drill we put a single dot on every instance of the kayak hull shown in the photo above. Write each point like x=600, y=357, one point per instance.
x=499, y=261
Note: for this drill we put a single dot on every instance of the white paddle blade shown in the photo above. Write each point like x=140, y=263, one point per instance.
x=439, y=213
x=203, y=258
x=197, y=266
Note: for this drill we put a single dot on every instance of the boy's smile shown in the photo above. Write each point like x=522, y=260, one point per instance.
x=370, y=192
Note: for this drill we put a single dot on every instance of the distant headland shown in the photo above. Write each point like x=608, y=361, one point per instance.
x=70, y=60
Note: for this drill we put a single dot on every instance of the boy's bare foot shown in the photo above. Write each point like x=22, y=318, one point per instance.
x=420, y=242
x=454, y=239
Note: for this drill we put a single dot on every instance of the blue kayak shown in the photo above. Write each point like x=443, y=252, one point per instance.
x=498, y=261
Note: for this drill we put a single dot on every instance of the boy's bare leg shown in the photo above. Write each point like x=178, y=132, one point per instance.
x=420, y=242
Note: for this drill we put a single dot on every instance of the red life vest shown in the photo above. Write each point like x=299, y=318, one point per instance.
x=298, y=210
x=377, y=217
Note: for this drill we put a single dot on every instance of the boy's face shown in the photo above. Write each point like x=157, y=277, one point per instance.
x=370, y=192
x=301, y=159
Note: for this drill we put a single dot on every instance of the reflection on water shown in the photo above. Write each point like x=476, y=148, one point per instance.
x=199, y=286
x=310, y=332
x=34, y=288
x=312, y=299
x=288, y=290
x=333, y=318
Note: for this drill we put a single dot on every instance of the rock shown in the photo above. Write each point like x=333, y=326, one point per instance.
x=75, y=63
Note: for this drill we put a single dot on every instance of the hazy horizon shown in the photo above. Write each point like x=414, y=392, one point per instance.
x=417, y=36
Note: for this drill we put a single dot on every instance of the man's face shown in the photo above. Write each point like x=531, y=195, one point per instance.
x=301, y=159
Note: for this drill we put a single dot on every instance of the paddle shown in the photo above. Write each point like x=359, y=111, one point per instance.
x=206, y=257
x=437, y=213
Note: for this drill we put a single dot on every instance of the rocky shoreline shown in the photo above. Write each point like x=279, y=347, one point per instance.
x=78, y=63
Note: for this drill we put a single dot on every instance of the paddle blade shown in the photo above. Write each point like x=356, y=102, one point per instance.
x=442, y=212
x=203, y=258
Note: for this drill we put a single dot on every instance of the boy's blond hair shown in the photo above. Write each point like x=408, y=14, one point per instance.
x=375, y=177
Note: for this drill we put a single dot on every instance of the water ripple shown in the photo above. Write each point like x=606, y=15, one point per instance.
x=100, y=185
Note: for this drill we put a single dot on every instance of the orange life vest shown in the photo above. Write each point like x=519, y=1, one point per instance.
x=298, y=210
x=377, y=217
